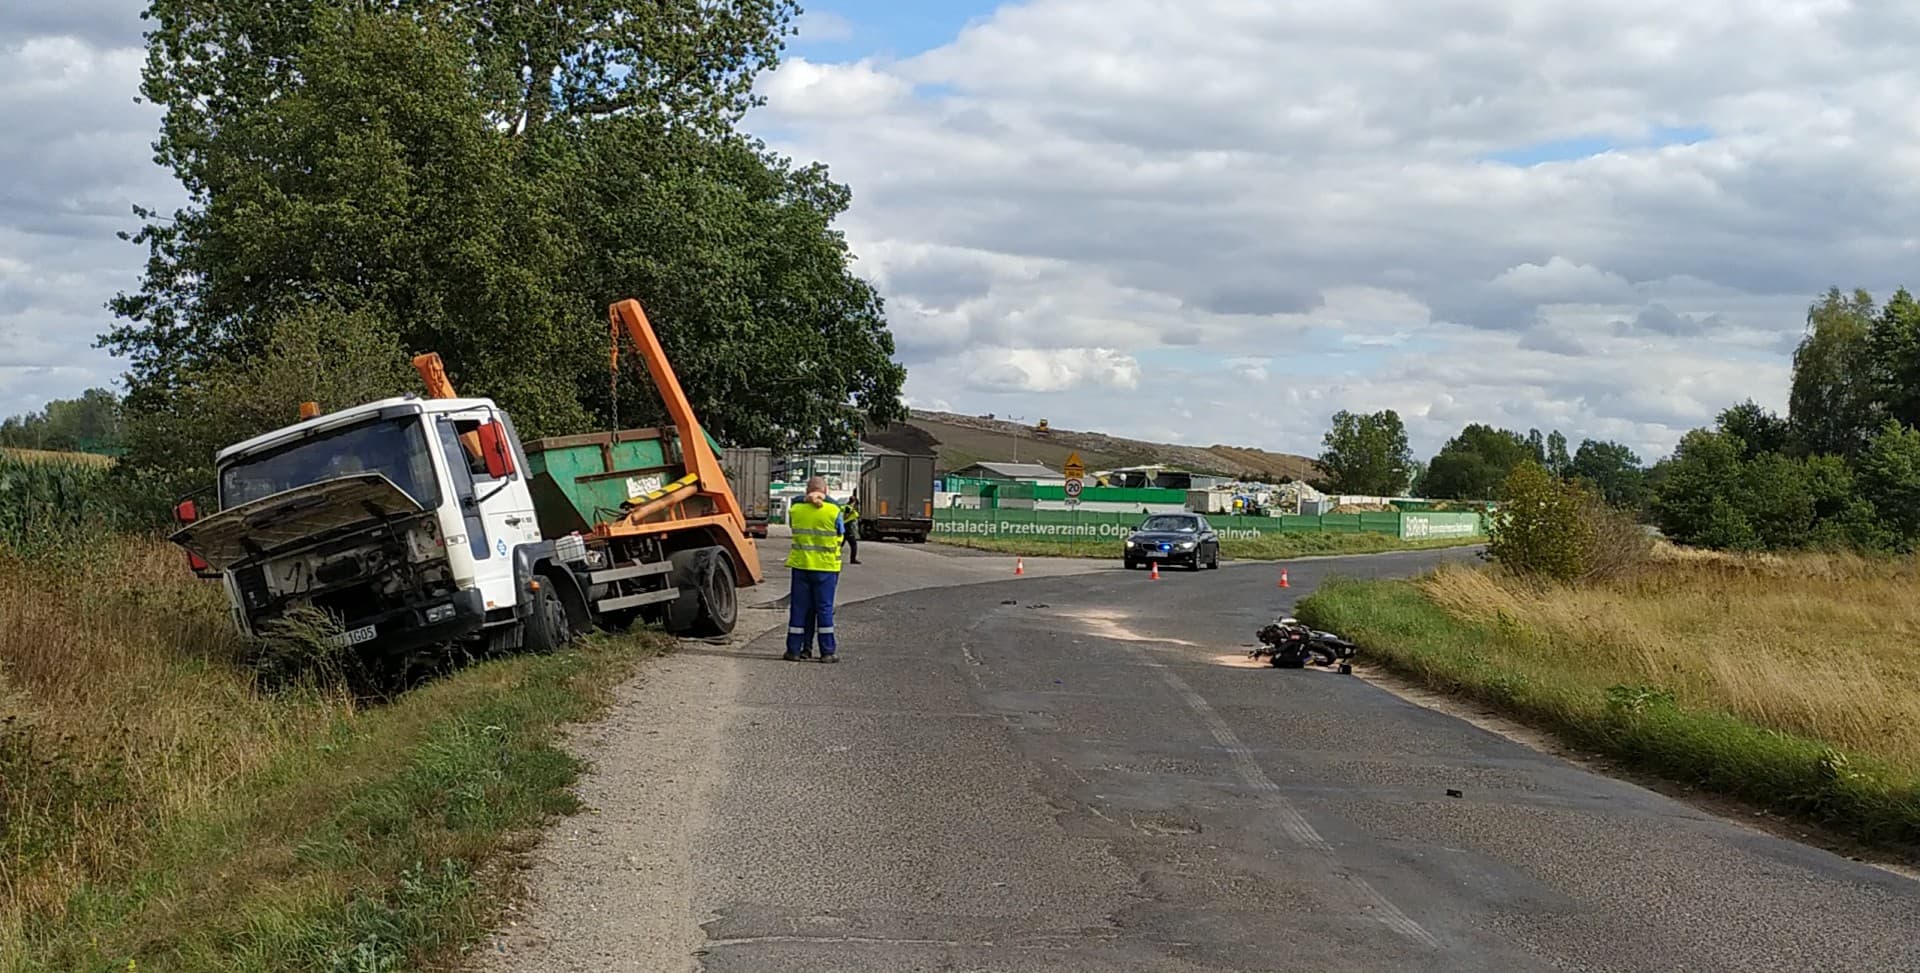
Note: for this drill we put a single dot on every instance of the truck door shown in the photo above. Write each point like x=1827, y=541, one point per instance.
x=498, y=512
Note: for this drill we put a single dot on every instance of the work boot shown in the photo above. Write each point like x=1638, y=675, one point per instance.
x=829, y=657
x=791, y=657
x=805, y=654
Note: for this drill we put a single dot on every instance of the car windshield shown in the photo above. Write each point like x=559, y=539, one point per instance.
x=1185, y=525
x=395, y=447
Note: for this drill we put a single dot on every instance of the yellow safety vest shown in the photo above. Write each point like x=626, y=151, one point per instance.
x=851, y=512
x=816, y=538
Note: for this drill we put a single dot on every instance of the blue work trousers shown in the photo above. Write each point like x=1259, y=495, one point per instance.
x=810, y=611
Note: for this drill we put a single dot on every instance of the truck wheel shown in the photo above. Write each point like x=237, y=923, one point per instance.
x=709, y=603
x=546, y=626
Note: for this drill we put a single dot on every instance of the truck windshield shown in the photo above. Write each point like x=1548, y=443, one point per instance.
x=395, y=447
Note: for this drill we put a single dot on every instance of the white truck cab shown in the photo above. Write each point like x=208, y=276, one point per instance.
x=403, y=517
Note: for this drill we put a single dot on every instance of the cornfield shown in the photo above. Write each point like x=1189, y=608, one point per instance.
x=47, y=502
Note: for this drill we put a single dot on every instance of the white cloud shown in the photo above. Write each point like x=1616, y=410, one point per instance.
x=76, y=158
x=824, y=25
x=1047, y=369
x=1201, y=185
x=1253, y=215
x=831, y=90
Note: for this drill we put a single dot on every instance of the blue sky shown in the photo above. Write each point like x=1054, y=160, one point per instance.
x=1568, y=150
x=852, y=29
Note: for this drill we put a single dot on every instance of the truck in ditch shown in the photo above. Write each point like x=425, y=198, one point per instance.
x=896, y=497
x=420, y=522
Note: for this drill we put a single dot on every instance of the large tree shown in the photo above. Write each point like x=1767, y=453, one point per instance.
x=1367, y=454
x=744, y=278
x=1893, y=343
x=1832, y=407
x=1473, y=465
x=481, y=179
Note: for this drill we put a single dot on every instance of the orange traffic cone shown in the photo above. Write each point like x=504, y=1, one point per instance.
x=1155, y=576
x=1019, y=566
x=1283, y=579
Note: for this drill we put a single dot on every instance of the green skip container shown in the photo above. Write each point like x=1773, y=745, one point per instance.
x=580, y=481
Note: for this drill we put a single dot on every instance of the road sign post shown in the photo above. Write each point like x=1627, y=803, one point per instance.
x=1076, y=474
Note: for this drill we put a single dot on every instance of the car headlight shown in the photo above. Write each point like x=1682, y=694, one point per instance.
x=1129, y=542
x=1186, y=545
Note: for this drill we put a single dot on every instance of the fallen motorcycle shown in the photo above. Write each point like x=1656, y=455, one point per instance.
x=1292, y=645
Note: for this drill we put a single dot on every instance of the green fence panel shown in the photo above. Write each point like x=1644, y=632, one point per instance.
x=1091, y=524
x=1421, y=526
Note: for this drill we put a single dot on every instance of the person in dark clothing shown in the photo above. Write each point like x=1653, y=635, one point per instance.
x=850, y=513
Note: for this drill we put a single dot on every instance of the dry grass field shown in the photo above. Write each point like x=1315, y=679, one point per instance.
x=1792, y=682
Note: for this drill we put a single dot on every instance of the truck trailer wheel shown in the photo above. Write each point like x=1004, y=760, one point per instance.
x=709, y=603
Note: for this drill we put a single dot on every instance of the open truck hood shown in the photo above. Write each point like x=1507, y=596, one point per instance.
x=269, y=524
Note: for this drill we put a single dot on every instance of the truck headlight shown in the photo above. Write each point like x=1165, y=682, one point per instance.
x=439, y=613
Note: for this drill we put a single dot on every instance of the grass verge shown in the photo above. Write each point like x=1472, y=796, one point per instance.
x=1794, y=686
x=1271, y=547
x=160, y=812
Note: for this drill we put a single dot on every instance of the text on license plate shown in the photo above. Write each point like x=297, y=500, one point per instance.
x=354, y=637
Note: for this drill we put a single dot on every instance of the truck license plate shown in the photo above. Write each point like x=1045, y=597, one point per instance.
x=362, y=634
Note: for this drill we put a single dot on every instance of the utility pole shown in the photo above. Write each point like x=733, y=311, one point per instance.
x=1016, y=436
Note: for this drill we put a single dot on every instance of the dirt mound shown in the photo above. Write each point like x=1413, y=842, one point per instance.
x=972, y=439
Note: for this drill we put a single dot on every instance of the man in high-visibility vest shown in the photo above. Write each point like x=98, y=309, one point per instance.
x=814, y=563
x=850, y=524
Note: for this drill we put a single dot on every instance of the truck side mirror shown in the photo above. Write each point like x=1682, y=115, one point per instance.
x=496, y=450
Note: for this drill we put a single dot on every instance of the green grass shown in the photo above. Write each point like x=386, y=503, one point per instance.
x=1591, y=697
x=177, y=817
x=1270, y=547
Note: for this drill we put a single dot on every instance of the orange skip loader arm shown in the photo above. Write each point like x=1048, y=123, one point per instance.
x=698, y=456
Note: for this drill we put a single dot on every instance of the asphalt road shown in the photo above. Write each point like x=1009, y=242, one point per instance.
x=1078, y=773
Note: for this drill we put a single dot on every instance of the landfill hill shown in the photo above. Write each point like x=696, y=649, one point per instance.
x=959, y=440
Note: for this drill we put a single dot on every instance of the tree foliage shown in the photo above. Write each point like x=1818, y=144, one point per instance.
x=1759, y=430
x=1561, y=529
x=1613, y=469
x=1474, y=464
x=1889, y=479
x=1558, y=462
x=1893, y=347
x=482, y=179
x=90, y=423
x=1541, y=527
x=1367, y=454
x=313, y=354
x=1831, y=405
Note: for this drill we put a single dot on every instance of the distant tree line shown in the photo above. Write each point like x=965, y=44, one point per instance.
x=1840, y=470
x=1369, y=455
x=89, y=424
